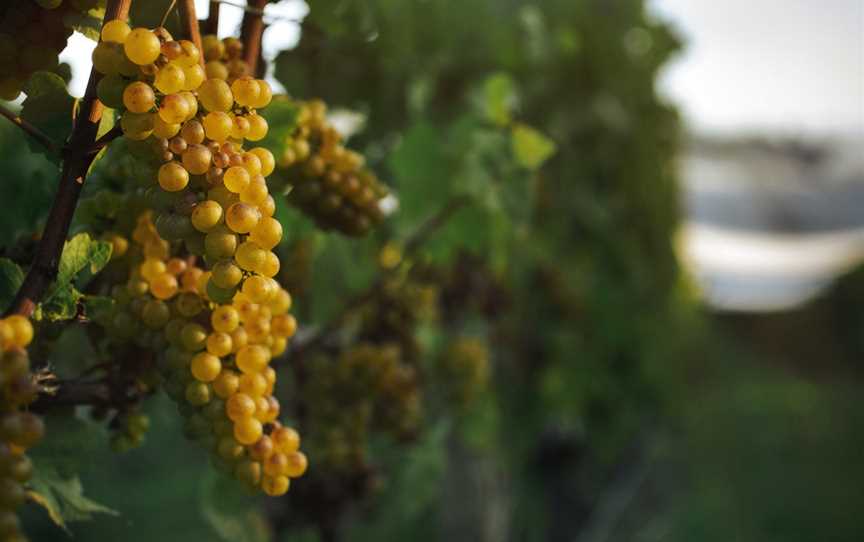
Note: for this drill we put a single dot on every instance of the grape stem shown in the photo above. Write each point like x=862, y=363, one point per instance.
x=77, y=156
x=251, y=32
x=34, y=132
x=189, y=24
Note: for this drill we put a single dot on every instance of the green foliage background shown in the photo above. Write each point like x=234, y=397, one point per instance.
x=619, y=410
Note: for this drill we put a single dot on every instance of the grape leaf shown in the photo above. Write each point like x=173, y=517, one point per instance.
x=78, y=253
x=81, y=259
x=281, y=116
x=499, y=98
x=232, y=516
x=89, y=23
x=48, y=106
x=530, y=147
x=63, y=497
x=11, y=278
x=55, y=485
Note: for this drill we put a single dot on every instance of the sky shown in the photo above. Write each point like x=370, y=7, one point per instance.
x=768, y=65
x=764, y=66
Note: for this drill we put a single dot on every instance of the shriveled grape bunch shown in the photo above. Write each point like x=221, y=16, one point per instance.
x=19, y=430
x=327, y=181
x=41, y=22
x=200, y=265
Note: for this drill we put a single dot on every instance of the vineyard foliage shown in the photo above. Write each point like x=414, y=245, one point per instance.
x=474, y=274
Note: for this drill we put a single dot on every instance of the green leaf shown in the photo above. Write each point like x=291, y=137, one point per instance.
x=281, y=116
x=232, y=516
x=48, y=106
x=11, y=278
x=69, y=443
x=499, y=98
x=99, y=255
x=89, y=23
x=63, y=497
x=75, y=257
x=530, y=147
x=61, y=302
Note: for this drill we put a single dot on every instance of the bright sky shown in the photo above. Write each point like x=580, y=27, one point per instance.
x=791, y=65
x=759, y=65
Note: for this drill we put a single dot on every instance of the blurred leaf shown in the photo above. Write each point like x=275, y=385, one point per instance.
x=11, y=278
x=88, y=23
x=48, y=106
x=499, y=98
x=63, y=497
x=233, y=517
x=281, y=116
x=530, y=147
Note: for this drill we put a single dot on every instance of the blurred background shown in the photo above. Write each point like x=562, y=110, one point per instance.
x=677, y=356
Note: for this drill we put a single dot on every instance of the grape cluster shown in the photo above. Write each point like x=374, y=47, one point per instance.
x=367, y=388
x=213, y=357
x=216, y=326
x=19, y=430
x=329, y=182
x=400, y=304
x=465, y=367
x=39, y=24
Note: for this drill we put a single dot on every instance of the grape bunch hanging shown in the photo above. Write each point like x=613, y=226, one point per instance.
x=199, y=258
x=19, y=429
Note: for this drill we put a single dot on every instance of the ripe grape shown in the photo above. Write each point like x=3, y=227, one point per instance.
x=142, y=46
x=173, y=177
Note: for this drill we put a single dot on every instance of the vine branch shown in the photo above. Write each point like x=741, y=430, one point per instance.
x=251, y=32
x=77, y=157
x=189, y=24
x=211, y=25
x=30, y=130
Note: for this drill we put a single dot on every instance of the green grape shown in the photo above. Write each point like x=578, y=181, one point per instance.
x=137, y=126
x=139, y=97
x=248, y=430
x=142, y=46
x=192, y=132
x=252, y=358
x=248, y=473
x=193, y=337
x=256, y=192
x=267, y=233
x=218, y=125
x=258, y=128
x=215, y=95
x=197, y=159
x=242, y=217
x=236, y=179
x=220, y=295
x=106, y=59
x=198, y=393
x=156, y=314
x=174, y=109
x=265, y=95
x=226, y=275
x=246, y=90
x=115, y=31
x=250, y=256
x=206, y=215
x=194, y=75
x=173, y=177
x=205, y=367
x=170, y=79
x=12, y=494
x=220, y=243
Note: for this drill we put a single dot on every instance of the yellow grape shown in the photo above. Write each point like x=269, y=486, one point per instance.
x=142, y=46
